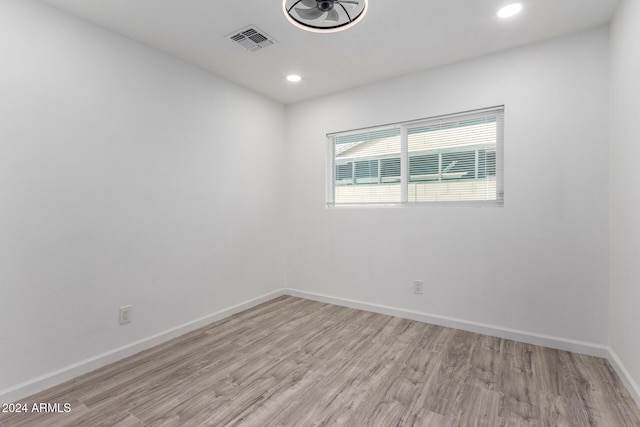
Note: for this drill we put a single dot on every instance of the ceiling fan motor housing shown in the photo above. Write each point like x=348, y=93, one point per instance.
x=325, y=5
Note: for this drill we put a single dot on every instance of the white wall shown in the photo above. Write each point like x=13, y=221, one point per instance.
x=625, y=194
x=538, y=265
x=117, y=166
x=115, y=163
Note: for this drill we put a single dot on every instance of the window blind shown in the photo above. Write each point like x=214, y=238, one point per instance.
x=367, y=167
x=454, y=158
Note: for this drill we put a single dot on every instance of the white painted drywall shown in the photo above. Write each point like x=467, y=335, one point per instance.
x=539, y=264
x=625, y=188
x=126, y=177
x=115, y=164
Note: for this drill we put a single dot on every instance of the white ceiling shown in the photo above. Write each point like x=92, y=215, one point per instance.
x=395, y=37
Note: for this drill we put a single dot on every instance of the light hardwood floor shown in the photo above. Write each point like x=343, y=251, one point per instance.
x=294, y=362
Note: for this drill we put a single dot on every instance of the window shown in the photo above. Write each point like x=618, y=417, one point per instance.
x=448, y=159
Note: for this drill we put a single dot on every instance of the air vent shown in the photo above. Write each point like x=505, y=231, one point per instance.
x=251, y=39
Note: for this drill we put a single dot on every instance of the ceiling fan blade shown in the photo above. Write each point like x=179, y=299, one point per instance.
x=309, y=3
x=349, y=2
x=310, y=14
x=332, y=16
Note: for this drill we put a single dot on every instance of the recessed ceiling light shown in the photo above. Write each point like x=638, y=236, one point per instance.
x=294, y=78
x=510, y=10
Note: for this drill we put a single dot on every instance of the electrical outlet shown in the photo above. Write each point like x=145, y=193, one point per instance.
x=125, y=314
x=417, y=287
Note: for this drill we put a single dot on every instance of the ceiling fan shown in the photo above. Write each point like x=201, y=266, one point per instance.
x=324, y=16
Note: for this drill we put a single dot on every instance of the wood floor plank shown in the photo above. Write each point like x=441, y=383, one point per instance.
x=446, y=385
x=556, y=412
x=486, y=364
x=596, y=387
x=547, y=368
x=296, y=362
x=426, y=418
x=477, y=406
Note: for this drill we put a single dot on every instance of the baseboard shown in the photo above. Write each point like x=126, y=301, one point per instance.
x=49, y=380
x=587, y=348
x=625, y=376
x=57, y=377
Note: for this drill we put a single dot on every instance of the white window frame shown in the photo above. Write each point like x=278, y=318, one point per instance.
x=497, y=112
